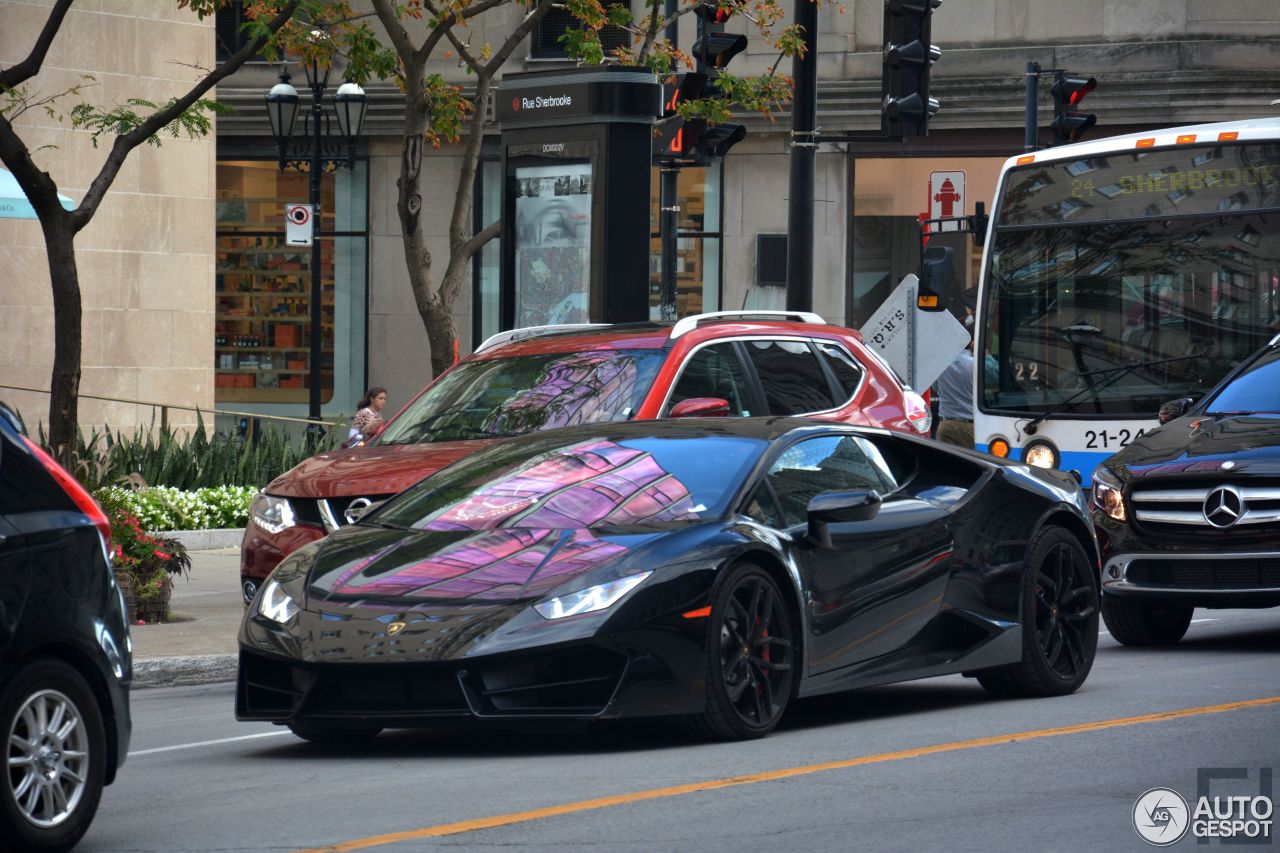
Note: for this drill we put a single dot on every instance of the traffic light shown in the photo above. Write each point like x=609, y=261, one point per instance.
x=908, y=55
x=1068, y=91
x=714, y=47
x=676, y=136
x=712, y=52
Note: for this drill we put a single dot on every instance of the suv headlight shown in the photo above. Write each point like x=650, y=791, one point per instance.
x=587, y=600
x=1108, y=494
x=271, y=513
x=276, y=604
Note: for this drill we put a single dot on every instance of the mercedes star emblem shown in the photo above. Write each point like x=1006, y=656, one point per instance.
x=1224, y=506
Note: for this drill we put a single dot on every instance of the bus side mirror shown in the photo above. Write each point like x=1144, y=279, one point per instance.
x=935, y=279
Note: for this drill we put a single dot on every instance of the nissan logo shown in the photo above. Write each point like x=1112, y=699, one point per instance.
x=355, y=509
x=1224, y=506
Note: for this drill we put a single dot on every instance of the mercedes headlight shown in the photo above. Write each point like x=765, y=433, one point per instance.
x=1108, y=494
x=271, y=513
x=276, y=604
x=587, y=600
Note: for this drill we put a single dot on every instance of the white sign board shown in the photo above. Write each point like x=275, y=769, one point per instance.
x=298, y=227
x=946, y=198
x=917, y=344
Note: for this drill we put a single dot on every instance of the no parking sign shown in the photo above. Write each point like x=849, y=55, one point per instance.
x=298, y=224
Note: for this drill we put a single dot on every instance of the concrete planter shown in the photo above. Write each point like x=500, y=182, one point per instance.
x=206, y=540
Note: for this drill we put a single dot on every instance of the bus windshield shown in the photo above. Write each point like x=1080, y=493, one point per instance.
x=1117, y=283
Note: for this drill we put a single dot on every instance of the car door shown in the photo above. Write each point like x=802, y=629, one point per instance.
x=715, y=370
x=882, y=581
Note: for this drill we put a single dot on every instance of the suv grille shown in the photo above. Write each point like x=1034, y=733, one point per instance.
x=327, y=512
x=1207, y=573
x=1208, y=508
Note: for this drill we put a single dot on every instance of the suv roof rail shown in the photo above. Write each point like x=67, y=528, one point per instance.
x=533, y=332
x=687, y=324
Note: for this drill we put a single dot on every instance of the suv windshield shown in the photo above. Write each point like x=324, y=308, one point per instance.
x=1257, y=389
x=510, y=396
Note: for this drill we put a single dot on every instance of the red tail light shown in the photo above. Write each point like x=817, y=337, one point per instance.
x=81, y=498
x=917, y=412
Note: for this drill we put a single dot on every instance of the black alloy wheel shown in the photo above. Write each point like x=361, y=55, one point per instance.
x=1059, y=621
x=1136, y=624
x=751, y=655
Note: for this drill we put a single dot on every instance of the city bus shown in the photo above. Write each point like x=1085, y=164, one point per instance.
x=1119, y=275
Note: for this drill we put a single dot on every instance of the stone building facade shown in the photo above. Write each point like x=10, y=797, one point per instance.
x=146, y=260
x=223, y=290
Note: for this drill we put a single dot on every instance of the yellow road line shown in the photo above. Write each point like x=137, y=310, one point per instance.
x=463, y=826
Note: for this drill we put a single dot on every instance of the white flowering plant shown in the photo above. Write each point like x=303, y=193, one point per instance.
x=164, y=508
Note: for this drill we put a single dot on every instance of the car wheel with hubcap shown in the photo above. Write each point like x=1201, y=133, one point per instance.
x=56, y=757
x=1059, y=615
x=751, y=656
x=1136, y=624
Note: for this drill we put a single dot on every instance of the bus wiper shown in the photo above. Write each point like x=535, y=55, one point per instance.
x=1114, y=374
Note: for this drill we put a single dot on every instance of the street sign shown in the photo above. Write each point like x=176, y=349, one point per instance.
x=946, y=198
x=299, y=224
x=898, y=331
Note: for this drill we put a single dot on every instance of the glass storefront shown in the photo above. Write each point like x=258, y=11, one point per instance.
x=698, y=240
x=890, y=197
x=263, y=287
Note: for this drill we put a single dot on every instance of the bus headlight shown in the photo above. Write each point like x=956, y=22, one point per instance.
x=1040, y=454
x=1108, y=494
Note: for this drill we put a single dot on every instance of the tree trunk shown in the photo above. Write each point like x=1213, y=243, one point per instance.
x=64, y=387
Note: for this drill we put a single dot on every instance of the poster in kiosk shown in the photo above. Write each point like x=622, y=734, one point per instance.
x=576, y=151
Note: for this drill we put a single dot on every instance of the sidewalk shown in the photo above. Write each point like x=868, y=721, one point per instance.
x=201, y=647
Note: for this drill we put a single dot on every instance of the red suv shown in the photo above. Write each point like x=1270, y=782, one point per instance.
x=727, y=363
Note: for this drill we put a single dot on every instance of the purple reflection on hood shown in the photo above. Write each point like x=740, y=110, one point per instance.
x=497, y=565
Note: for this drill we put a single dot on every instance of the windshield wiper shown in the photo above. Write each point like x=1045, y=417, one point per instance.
x=1116, y=373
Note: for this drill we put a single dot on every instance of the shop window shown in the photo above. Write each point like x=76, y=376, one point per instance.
x=263, y=287
x=229, y=36
x=698, y=240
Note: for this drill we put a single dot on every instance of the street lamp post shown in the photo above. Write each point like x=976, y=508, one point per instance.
x=317, y=151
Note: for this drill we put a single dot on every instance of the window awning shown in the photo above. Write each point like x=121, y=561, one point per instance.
x=13, y=201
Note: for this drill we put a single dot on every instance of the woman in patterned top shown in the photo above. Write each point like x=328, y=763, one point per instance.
x=368, y=415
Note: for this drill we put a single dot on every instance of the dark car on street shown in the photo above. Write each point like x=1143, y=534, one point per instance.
x=707, y=568
x=65, y=663
x=731, y=363
x=1188, y=515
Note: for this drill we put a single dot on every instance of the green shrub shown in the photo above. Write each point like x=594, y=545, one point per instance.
x=194, y=460
x=163, y=508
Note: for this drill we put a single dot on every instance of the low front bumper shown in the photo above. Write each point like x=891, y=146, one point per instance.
x=1246, y=579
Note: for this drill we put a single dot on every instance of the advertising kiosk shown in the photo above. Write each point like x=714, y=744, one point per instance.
x=576, y=155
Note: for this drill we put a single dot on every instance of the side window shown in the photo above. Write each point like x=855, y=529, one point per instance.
x=763, y=508
x=829, y=463
x=847, y=369
x=714, y=371
x=792, y=378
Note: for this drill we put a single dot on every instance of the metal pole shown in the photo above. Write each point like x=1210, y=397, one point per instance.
x=317, y=170
x=804, y=116
x=1031, y=120
x=668, y=195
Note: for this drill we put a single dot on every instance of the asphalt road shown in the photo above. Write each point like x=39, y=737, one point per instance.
x=197, y=780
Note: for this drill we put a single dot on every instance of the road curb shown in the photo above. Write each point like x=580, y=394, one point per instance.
x=183, y=670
